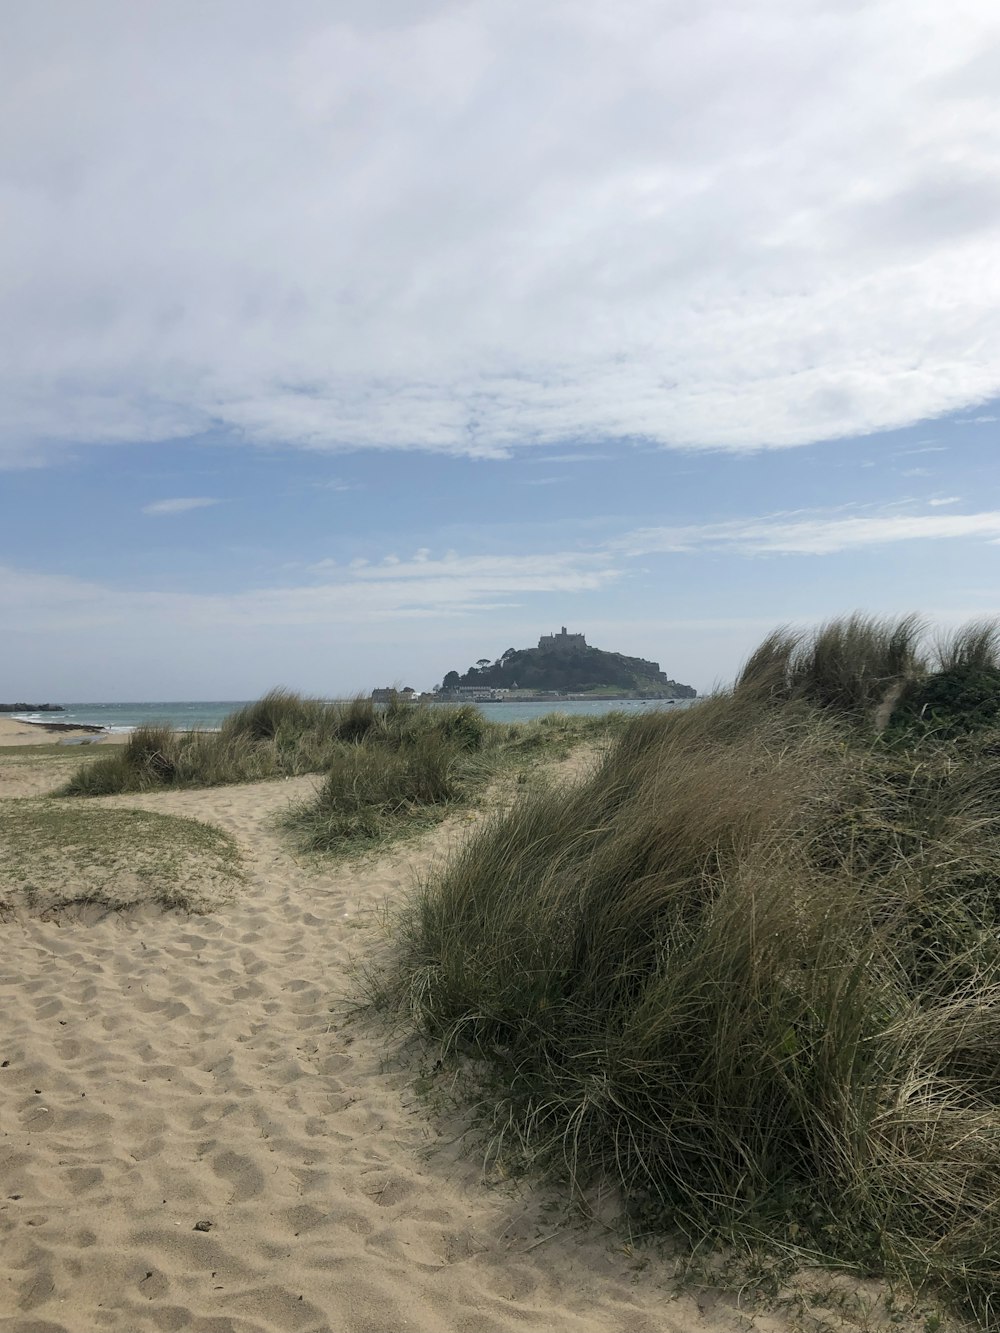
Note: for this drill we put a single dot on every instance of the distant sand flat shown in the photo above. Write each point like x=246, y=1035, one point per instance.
x=15, y=732
x=162, y=1071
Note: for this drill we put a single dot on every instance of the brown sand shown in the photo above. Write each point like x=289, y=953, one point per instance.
x=13, y=732
x=27, y=770
x=194, y=1137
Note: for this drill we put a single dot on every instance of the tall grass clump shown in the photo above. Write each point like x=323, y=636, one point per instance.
x=282, y=734
x=850, y=665
x=369, y=789
x=283, y=714
x=975, y=646
x=412, y=762
x=749, y=970
x=149, y=758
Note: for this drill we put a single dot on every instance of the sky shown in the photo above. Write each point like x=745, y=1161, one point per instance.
x=343, y=344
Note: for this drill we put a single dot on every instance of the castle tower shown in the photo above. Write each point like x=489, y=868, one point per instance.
x=562, y=642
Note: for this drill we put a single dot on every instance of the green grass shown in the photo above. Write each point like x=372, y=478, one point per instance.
x=386, y=769
x=416, y=766
x=975, y=646
x=56, y=854
x=748, y=970
x=46, y=750
x=281, y=735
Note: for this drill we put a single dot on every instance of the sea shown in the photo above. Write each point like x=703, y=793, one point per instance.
x=208, y=715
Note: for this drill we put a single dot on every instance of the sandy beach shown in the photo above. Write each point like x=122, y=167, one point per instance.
x=15, y=732
x=196, y=1135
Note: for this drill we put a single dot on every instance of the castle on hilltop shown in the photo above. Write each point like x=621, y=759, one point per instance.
x=561, y=642
x=563, y=665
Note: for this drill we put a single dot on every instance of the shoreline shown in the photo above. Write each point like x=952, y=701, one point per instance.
x=15, y=731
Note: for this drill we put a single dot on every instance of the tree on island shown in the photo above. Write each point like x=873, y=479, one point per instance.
x=567, y=663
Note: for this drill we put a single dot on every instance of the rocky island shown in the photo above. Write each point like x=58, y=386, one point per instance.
x=32, y=708
x=563, y=665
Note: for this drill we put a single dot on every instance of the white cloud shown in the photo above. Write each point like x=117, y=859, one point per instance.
x=468, y=578
x=819, y=535
x=471, y=227
x=946, y=500
x=179, y=506
x=363, y=594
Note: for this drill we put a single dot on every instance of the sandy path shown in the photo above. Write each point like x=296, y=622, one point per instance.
x=160, y=1071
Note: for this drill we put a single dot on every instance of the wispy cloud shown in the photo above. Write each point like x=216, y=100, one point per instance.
x=334, y=484
x=573, y=458
x=946, y=500
x=819, y=535
x=181, y=505
x=361, y=594
x=440, y=579
x=322, y=229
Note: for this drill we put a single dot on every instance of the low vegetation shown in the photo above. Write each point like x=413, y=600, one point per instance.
x=385, y=768
x=57, y=855
x=749, y=968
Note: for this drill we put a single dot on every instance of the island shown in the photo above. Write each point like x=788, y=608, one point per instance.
x=32, y=708
x=562, y=666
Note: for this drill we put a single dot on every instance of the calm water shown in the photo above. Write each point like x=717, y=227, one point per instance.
x=210, y=714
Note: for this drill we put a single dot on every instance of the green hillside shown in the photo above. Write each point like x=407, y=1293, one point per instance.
x=566, y=663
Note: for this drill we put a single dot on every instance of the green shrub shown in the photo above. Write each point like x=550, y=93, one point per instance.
x=958, y=701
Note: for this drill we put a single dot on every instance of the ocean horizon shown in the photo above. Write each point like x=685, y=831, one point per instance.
x=208, y=715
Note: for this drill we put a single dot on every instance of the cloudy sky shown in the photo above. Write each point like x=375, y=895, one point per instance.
x=343, y=343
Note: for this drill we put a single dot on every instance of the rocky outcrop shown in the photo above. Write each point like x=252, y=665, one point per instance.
x=567, y=664
x=32, y=708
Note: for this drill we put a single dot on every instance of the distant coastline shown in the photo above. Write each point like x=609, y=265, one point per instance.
x=209, y=715
x=554, y=697
x=32, y=708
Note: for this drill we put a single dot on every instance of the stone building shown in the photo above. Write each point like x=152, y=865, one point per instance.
x=561, y=642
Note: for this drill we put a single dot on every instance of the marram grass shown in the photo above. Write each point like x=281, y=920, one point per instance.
x=384, y=769
x=749, y=970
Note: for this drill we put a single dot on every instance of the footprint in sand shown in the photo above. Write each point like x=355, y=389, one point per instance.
x=245, y=1177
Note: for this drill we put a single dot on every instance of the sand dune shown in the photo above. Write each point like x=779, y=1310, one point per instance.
x=194, y=1137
